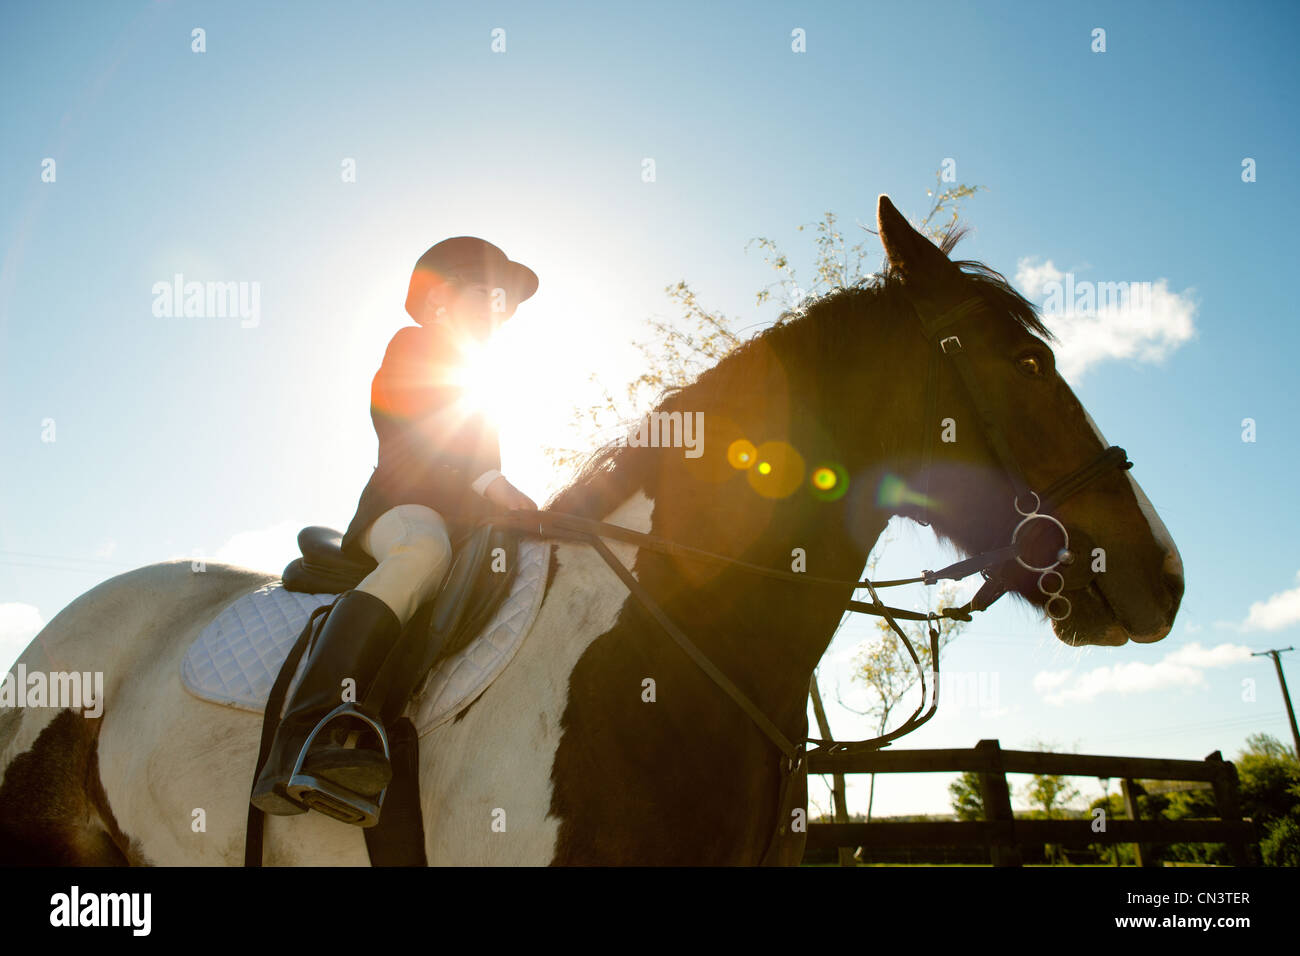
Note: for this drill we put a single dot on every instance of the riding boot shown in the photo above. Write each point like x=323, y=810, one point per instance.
x=358, y=633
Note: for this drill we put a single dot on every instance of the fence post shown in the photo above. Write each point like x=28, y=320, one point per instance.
x=996, y=797
x=838, y=793
x=1142, y=854
x=1227, y=797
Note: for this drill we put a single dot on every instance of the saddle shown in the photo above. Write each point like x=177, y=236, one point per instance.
x=442, y=624
x=483, y=568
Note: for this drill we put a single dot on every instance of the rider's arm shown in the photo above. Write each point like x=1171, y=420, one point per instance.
x=458, y=450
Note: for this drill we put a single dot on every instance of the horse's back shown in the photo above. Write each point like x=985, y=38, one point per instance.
x=109, y=627
x=113, y=639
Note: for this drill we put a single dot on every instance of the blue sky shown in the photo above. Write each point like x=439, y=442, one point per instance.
x=183, y=436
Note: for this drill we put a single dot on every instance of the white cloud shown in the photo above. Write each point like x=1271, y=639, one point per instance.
x=1193, y=655
x=258, y=549
x=1183, y=667
x=1049, y=680
x=19, y=623
x=1145, y=323
x=1274, y=613
x=1033, y=279
x=263, y=549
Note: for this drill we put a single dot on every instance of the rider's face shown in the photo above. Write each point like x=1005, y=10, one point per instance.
x=473, y=306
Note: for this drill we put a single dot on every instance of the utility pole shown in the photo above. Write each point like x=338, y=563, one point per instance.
x=1286, y=695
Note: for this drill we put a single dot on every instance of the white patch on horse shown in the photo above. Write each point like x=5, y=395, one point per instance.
x=163, y=753
x=1173, y=560
x=499, y=756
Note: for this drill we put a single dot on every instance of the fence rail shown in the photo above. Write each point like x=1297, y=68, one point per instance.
x=1003, y=834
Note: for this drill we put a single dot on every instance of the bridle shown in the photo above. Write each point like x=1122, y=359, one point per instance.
x=992, y=564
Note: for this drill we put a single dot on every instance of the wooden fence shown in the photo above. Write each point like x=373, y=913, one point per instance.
x=1003, y=835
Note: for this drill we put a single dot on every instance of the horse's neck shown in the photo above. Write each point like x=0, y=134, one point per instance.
x=765, y=634
x=769, y=635
x=776, y=633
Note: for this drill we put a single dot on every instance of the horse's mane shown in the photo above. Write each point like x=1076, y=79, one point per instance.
x=802, y=339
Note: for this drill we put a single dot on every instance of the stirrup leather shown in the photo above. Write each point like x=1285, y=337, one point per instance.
x=328, y=797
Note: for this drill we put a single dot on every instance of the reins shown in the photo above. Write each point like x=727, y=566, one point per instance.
x=560, y=526
x=557, y=525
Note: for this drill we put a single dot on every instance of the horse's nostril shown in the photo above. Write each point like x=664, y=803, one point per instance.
x=1174, y=584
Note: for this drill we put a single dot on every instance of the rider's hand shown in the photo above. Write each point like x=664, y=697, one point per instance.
x=502, y=493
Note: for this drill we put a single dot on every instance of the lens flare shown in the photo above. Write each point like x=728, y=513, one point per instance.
x=779, y=472
x=829, y=481
x=742, y=454
x=893, y=492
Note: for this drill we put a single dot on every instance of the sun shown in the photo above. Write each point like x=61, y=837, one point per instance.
x=530, y=388
x=491, y=376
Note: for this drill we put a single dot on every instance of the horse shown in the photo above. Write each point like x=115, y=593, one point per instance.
x=602, y=743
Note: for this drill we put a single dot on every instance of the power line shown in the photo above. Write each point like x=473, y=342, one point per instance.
x=62, y=557
x=1208, y=727
x=55, y=567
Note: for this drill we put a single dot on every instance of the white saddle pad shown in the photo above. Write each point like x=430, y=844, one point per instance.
x=236, y=658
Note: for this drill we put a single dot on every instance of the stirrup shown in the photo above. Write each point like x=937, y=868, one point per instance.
x=328, y=797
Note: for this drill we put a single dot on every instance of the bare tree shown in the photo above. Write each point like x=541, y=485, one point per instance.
x=678, y=351
x=887, y=670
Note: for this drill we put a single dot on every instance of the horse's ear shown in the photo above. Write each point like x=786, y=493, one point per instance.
x=911, y=255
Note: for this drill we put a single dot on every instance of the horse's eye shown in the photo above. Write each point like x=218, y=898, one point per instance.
x=1030, y=365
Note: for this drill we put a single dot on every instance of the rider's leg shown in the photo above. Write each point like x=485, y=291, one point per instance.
x=411, y=545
